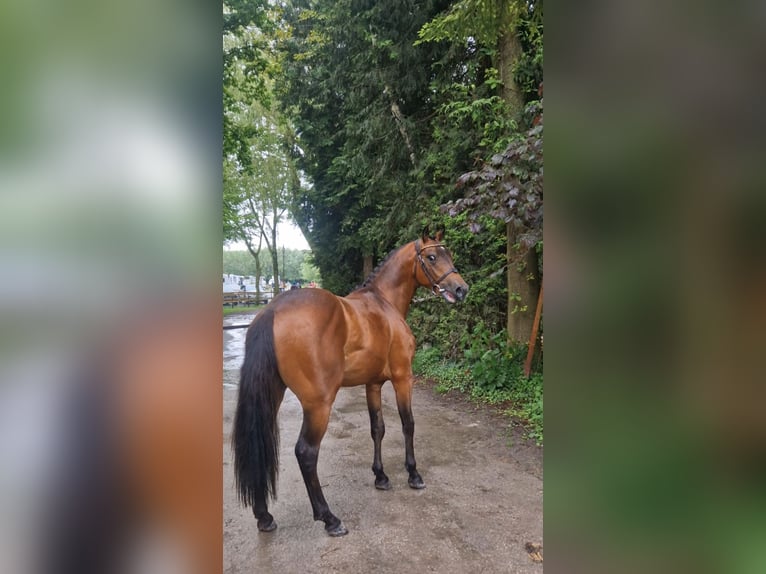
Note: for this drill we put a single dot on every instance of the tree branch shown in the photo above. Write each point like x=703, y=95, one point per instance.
x=397, y=113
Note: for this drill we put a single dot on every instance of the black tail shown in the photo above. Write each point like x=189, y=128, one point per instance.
x=255, y=437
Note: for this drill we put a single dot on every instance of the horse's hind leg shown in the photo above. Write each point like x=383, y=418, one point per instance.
x=378, y=430
x=307, y=452
x=263, y=516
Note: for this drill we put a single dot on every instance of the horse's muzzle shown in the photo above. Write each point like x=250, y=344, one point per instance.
x=454, y=293
x=461, y=291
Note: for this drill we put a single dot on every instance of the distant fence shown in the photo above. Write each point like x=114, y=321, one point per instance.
x=247, y=298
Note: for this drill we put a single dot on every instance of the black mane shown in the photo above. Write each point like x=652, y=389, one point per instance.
x=371, y=277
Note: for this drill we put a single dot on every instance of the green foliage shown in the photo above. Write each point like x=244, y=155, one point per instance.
x=295, y=265
x=480, y=258
x=259, y=173
x=465, y=349
x=484, y=19
x=245, y=61
x=486, y=22
x=449, y=375
x=493, y=362
x=489, y=373
x=528, y=404
x=509, y=186
x=242, y=309
x=378, y=109
x=358, y=93
x=240, y=262
x=528, y=68
x=309, y=271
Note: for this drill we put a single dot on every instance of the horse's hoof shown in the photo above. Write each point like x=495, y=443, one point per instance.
x=270, y=527
x=383, y=484
x=416, y=483
x=338, y=530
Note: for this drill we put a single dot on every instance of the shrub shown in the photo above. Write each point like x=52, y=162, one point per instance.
x=494, y=376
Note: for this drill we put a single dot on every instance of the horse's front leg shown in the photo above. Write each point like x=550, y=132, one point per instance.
x=378, y=430
x=403, y=389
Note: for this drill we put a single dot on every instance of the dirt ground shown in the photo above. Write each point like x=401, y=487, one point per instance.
x=481, y=510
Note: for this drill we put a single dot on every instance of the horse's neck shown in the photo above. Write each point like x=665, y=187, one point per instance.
x=396, y=280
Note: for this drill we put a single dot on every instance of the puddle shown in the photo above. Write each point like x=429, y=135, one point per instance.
x=234, y=347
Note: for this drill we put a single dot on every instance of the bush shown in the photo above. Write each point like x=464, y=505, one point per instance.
x=448, y=375
x=489, y=373
x=463, y=346
x=480, y=258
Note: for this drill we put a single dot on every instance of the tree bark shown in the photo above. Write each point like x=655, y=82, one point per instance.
x=274, y=249
x=256, y=255
x=366, y=267
x=509, y=50
x=399, y=119
x=523, y=280
x=523, y=290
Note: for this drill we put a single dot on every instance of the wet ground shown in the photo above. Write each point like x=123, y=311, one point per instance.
x=480, y=512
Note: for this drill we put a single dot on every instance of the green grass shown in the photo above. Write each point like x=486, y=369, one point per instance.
x=241, y=309
x=495, y=378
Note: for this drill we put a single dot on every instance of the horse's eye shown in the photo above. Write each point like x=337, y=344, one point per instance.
x=431, y=258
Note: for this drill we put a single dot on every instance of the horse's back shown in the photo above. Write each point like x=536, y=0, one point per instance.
x=323, y=341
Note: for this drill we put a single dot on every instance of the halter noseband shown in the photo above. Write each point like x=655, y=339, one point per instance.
x=435, y=287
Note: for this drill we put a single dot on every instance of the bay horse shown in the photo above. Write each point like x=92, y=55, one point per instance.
x=314, y=342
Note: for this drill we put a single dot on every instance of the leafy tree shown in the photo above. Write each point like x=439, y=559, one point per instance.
x=381, y=105
x=258, y=170
x=309, y=272
x=358, y=92
x=246, y=24
x=510, y=33
x=509, y=187
x=375, y=108
x=257, y=195
x=296, y=264
x=238, y=263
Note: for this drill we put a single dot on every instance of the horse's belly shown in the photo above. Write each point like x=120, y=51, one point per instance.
x=363, y=368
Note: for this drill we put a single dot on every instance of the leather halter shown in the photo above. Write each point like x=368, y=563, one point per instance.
x=435, y=287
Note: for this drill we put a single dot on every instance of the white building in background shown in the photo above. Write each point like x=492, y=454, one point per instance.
x=234, y=283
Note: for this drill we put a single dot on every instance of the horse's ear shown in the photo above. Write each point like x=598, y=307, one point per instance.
x=426, y=233
x=439, y=235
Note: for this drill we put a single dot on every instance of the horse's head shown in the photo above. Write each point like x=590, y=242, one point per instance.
x=434, y=268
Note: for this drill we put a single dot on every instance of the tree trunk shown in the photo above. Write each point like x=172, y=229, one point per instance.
x=523, y=282
x=509, y=50
x=257, y=257
x=523, y=290
x=258, y=278
x=256, y=253
x=366, y=267
x=274, y=251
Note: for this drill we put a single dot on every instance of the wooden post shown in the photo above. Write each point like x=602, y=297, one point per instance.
x=533, y=336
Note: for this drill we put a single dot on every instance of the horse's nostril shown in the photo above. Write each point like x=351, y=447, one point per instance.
x=461, y=292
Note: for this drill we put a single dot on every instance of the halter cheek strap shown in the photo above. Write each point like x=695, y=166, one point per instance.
x=436, y=288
